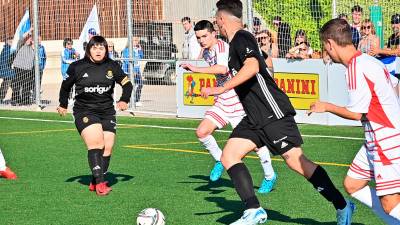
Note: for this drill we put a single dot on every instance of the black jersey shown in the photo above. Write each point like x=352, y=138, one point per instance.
x=262, y=100
x=393, y=41
x=94, y=86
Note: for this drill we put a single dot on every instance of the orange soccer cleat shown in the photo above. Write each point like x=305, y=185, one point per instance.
x=8, y=174
x=92, y=187
x=102, y=189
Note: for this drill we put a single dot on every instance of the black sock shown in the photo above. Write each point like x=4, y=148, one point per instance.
x=243, y=184
x=106, y=163
x=323, y=184
x=95, y=164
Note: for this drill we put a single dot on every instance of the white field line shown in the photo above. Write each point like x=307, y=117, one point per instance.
x=171, y=128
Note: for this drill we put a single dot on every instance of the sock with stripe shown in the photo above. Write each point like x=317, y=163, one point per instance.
x=323, y=184
x=211, y=145
x=243, y=184
x=95, y=163
x=368, y=197
x=266, y=163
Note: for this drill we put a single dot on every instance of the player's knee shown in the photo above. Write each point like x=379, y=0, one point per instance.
x=202, y=132
x=227, y=161
x=389, y=202
x=349, y=187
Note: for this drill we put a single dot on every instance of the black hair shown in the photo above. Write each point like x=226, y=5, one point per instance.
x=66, y=40
x=342, y=15
x=338, y=30
x=277, y=18
x=186, y=18
x=395, y=19
x=233, y=7
x=96, y=40
x=256, y=21
x=356, y=8
x=204, y=24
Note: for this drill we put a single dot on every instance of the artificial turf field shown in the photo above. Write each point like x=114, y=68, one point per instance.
x=156, y=163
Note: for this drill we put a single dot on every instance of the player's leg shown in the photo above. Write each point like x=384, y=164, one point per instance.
x=269, y=174
x=4, y=170
x=109, y=138
x=91, y=132
x=355, y=183
x=235, y=149
x=213, y=119
x=321, y=181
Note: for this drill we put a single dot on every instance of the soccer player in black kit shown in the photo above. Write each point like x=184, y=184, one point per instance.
x=94, y=78
x=269, y=121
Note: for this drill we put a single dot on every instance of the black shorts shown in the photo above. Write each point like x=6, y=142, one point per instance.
x=83, y=120
x=279, y=136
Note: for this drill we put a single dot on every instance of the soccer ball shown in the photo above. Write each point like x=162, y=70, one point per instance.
x=150, y=216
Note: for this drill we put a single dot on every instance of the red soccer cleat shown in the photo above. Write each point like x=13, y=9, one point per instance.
x=92, y=187
x=102, y=189
x=8, y=174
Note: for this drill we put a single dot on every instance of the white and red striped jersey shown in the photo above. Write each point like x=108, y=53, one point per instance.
x=371, y=93
x=228, y=101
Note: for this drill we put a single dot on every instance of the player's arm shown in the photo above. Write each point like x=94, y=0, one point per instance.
x=215, y=69
x=65, y=89
x=320, y=107
x=127, y=87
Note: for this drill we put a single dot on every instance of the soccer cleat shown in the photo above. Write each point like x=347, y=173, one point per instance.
x=217, y=171
x=8, y=174
x=102, y=189
x=344, y=215
x=92, y=187
x=267, y=185
x=252, y=217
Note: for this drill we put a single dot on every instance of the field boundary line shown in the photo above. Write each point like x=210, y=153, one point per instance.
x=172, y=128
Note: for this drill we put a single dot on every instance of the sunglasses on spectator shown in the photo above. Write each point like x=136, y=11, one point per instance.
x=365, y=27
x=111, y=46
x=69, y=43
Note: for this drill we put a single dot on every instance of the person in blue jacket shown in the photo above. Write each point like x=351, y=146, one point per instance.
x=68, y=56
x=6, y=73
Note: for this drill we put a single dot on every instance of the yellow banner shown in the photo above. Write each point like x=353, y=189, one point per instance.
x=302, y=88
x=192, y=84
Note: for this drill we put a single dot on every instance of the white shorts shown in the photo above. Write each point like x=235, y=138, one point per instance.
x=221, y=118
x=387, y=177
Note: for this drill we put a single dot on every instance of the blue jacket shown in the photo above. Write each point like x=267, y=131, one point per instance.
x=68, y=56
x=5, y=62
x=137, y=54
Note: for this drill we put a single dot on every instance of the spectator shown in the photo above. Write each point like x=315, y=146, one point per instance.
x=219, y=35
x=368, y=37
x=112, y=54
x=137, y=55
x=355, y=34
x=6, y=73
x=393, y=44
x=268, y=48
x=274, y=32
x=42, y=61
x=24, y=81
x=284, y=39
x=356, y=15
x=256, y=25
x=68, y=56
x=191, y=48
x=301, y=49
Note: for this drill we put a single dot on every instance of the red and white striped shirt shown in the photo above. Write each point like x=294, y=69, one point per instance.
x=371, y=93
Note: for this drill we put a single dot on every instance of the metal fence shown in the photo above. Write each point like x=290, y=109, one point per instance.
x=157, y=25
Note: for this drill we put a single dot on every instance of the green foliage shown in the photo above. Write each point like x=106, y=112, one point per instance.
x=310, y=15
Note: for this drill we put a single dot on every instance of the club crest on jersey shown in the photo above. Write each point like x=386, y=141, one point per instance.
x=109, y=74
x=85, y=119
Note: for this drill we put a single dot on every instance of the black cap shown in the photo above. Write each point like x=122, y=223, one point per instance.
x=395, y=19
x=256, y=21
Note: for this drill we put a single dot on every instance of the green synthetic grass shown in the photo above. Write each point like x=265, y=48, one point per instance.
x=154, y=167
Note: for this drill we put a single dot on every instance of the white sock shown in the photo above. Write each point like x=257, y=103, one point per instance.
x=368, y=197
x=211, y=145
x=2, y=162
x=396, y=212
x=266, y=163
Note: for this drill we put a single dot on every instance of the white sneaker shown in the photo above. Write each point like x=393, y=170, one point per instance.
x=252, y=217
x=138, y=104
